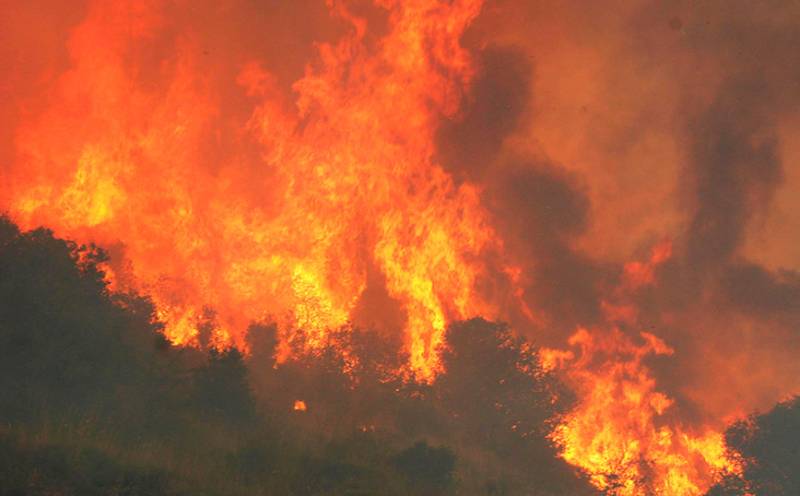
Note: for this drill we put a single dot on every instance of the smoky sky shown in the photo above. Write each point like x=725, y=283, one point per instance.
x=493, y=108
x=722, y=82
x=593, y=129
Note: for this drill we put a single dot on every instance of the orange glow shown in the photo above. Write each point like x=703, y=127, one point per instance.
x=622, y=432
x=230, y=193
x=344, y=176
x=625, y=432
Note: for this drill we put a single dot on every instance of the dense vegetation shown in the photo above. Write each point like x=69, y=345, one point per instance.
x=94, y=401
x=768, y=446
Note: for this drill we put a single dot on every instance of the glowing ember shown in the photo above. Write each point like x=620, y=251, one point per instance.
x=299, y=406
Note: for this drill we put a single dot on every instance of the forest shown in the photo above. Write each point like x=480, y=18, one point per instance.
x=95, y=401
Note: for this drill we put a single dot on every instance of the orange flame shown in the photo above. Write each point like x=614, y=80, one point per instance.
x=623, y=431
x=344, y=179
x=281, y=210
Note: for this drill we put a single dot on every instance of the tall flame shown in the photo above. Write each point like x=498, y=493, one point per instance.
x=624, y=432
x=621, y=433
x=341, y=181
x=220, y=192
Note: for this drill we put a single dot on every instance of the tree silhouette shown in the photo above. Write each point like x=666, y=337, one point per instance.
x=495, y=393
x=493, y=384
x=64, y=345
x=95, y=400
x=769, y=447
x=429, y=470
x=221, y=389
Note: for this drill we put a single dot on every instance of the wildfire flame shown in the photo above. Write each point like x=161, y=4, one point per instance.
x=622, y=432
x=345, y=177
x=282, y=207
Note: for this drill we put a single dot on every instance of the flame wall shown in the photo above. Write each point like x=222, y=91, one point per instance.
x=225, y=191
x=402, y=164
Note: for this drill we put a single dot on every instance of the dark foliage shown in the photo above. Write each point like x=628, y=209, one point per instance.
x=94, y=401
x=495, y=391
x=221, y=389
x=426, y=468
x=55, y=470
x=769, y=447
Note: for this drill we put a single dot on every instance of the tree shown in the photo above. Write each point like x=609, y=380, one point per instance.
x=221, y=388
x=496, y=395
x=493, y=384
x=63, y=343
x=428, y=469
x=769, y=447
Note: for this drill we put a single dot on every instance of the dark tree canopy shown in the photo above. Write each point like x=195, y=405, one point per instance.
x=427, y=468
x=221, y=388
x=769, y=447
x=94, y=400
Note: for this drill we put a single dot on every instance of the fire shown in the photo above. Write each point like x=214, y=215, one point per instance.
x=305, y=198
x=621, y=432
x=624, y=432
x=229, y=199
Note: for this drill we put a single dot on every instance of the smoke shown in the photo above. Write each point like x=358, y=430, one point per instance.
x=588, y=133
x=640, y=121
x=540, y=212
x=493, y=108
